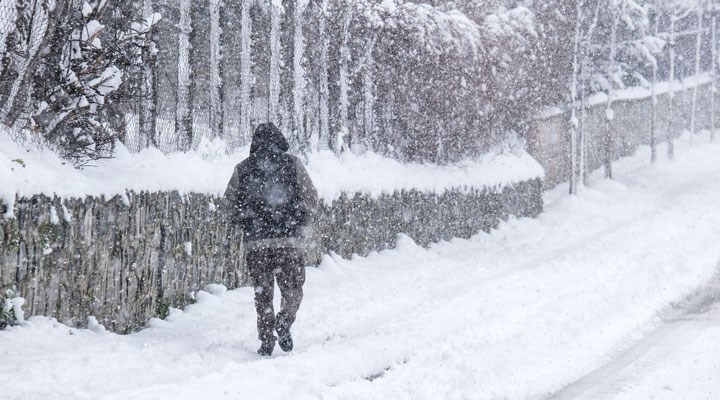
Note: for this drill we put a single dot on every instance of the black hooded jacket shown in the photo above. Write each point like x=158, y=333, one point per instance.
x=270, y=195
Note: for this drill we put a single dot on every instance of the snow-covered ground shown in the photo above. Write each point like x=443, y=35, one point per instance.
x=678, y=360
x=518, y=313
x=682, y=366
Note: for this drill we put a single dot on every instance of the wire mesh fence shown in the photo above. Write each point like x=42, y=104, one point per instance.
x=8, y=14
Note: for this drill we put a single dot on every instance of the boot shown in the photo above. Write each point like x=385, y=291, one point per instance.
x=282, y=326
x=266, y=348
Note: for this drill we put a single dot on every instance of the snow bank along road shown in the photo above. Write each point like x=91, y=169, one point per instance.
x=518, y=313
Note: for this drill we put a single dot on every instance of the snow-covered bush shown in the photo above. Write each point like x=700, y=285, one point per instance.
x=93, y=60
x=63, y=68
x=11, y=313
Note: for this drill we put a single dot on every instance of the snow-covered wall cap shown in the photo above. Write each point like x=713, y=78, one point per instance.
x=635, y=93
x=374, y=174
x=27, y=171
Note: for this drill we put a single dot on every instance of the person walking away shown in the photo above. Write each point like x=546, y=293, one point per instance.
x=272, y=201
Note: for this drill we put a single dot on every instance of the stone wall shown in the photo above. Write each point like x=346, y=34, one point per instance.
x=129, y=258
x=549, y=140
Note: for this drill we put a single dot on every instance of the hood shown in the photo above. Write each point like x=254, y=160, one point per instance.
x=268, y=139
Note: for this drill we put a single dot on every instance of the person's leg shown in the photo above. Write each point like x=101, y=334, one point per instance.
x=290, y=279
x=260, y=265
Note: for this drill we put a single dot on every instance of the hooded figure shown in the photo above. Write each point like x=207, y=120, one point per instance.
x=272, y=200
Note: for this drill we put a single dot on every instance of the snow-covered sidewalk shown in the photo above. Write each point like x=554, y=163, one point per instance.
x=517, y=313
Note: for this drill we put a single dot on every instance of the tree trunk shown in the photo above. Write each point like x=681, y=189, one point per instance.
x=698, y=46
x=216, y=81
x=585, y=57
x=671, y=92
x=245, y=72
x=344, y=82
x=147, y=99
x=369, y=95
x=574, y=170
x=713, y=83
x=166, y=38
x=609, y=113
x=299, y=138
x=275, y=63
x=582, y=135
x=653, y=104
x=324, y=90
x=184, y=113
x=200, y=76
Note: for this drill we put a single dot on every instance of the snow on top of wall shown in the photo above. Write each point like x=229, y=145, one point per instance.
x=635, y=93
x=374, y=174
x=26, y=171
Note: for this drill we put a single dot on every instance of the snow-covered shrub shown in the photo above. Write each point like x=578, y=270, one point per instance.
x=11, y=313
x=90, y=63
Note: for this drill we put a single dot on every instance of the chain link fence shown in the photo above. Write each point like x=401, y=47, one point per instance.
x=8, y=14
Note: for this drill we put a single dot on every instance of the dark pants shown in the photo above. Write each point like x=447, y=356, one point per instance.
x=285, y=265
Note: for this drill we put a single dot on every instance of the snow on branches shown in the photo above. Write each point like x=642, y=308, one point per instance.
x=622, y=50
x=93, y=63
